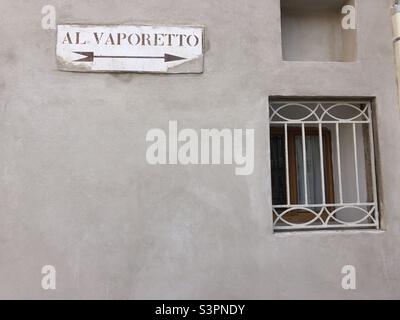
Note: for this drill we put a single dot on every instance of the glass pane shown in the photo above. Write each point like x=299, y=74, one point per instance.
x=278, y=172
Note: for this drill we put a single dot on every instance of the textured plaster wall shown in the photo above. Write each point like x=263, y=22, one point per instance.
x=76, y=191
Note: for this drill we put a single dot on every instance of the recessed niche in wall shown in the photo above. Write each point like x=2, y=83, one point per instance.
x=312, y=31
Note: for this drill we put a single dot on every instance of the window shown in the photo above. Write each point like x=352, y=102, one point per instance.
x=322, y=165
x=312, y=31
x=296, y=177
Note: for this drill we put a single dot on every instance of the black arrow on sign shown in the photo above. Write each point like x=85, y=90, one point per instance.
x=89, y=57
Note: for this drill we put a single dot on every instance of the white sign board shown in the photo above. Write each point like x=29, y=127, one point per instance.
x=123, y=48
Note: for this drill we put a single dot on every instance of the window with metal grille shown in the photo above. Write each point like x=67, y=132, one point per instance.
x=322, y=165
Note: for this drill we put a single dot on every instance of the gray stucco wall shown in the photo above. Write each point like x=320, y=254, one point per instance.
x=76, y=191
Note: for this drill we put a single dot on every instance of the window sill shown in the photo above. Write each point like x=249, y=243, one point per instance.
x=328, y=232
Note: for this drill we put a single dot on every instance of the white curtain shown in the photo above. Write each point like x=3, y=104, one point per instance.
x=314, y=183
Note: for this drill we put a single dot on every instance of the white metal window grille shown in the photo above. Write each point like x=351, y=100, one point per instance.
x=348, y=151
